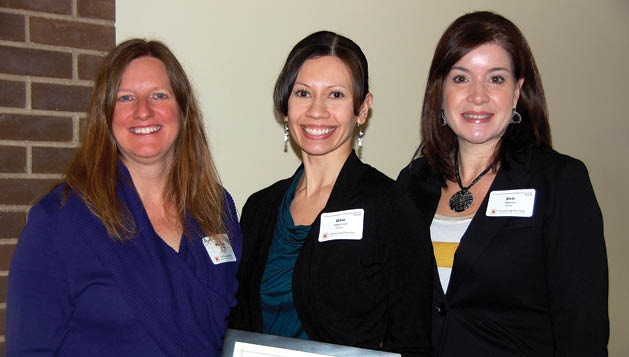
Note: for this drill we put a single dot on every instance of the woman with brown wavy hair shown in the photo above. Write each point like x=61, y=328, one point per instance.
x=135, y=252
x=516, y=229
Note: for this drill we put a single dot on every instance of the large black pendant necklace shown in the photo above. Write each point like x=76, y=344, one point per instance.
x=463, y=199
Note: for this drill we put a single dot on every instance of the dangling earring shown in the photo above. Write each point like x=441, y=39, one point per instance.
x=359, y=140
x=444, y=122
x=516, y=118
x=360, y=137
x=285, y=135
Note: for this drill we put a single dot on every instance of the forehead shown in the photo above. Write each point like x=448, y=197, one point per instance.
x=145, y=68
x=486, y=56
x=329, y=67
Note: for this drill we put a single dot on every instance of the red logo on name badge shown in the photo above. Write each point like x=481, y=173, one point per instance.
x=493, y=211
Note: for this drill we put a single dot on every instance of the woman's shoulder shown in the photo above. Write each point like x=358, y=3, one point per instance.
x=379, y=186
x=271, y=192
x=549, y=160
x=416, y=168
x=52, y=203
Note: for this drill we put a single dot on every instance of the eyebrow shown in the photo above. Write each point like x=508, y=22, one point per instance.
x=495, y=69
x=328, y=87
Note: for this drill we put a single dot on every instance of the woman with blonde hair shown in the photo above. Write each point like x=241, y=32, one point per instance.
x=135, y=252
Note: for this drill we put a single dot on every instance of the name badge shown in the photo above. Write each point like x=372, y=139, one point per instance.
x=342, y=225
x=511, y=203
x=219, y=254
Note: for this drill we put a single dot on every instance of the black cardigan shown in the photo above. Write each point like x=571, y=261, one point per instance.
x=524, y=286
x=372, y=293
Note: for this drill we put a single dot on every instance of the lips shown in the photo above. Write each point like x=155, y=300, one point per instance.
x=319, y=132
x=477, y=117
x=145, y=130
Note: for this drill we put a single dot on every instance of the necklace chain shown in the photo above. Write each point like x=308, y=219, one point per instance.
x=462, y=200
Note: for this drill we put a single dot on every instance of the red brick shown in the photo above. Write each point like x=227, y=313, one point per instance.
x=12, y=94
x=12, y=159
x=89, y=66
x=12, y=27
x=35, y=128
x=23, y=192
x=63, y=7
x=6, y=252
x=97, y=9
x=60, y=97
x=4, y=280
x=11, y=224
x=31, y=62
x=72, y=34
x=51, y=160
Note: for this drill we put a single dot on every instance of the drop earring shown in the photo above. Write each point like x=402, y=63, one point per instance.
x=360, y=137
x=444, y=122
x=285, y=135
x=359, y=140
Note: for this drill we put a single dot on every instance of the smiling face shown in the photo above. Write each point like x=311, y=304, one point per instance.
x=320, y=108
x=479, y=94
x=146, y=118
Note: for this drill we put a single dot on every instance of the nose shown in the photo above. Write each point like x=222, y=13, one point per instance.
x=318, y=108
x=478, y=93
x=143, y=109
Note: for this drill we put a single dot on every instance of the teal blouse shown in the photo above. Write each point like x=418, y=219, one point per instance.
x=279, y=316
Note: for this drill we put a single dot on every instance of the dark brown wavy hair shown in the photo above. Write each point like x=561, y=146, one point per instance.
x=193, y=183
x=439, y=143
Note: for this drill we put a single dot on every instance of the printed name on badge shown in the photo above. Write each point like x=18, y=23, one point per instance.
x=346, y=225
x=219, y=254
x=511, y=203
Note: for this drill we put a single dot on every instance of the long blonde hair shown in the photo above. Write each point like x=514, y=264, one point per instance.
x=193, y=183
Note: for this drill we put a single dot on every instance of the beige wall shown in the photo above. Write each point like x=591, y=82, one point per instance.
x=234, y=50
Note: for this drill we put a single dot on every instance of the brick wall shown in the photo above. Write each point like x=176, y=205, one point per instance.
x=50, y=51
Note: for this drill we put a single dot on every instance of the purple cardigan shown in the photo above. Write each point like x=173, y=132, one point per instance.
x=73, y=290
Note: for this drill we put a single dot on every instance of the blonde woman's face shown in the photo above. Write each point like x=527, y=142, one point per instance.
x=146, y=119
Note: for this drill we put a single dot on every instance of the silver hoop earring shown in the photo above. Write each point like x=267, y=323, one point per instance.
x=516, y=118
x=285, y=135
x=444, y=122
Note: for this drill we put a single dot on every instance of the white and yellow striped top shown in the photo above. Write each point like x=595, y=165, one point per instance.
x=446, y=233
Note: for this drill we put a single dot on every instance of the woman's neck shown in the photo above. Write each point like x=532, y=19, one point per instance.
x=472, y=160
x=321, y=172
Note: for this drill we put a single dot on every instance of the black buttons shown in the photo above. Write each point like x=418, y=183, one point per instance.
x=442, y=309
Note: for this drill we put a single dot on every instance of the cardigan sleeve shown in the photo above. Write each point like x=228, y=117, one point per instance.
x=39, y=303
x=577, y=266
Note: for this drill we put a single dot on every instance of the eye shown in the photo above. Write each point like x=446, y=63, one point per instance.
x=160, y=96
x=459, y=79
x=337, y=94
x=125, y=98
x=301, y=93
x=496, y=79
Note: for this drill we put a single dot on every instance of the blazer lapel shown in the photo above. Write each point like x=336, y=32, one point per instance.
x=482, y=230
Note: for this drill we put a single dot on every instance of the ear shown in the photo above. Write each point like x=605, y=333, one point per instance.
x=364, y=109
x=518, y=88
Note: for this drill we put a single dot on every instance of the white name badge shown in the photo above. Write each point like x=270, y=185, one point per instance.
x=219, y=254
x=511, y=203
x=342, y=225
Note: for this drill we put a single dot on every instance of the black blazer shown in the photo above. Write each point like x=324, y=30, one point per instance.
x=372, y=293
x=524, y=286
